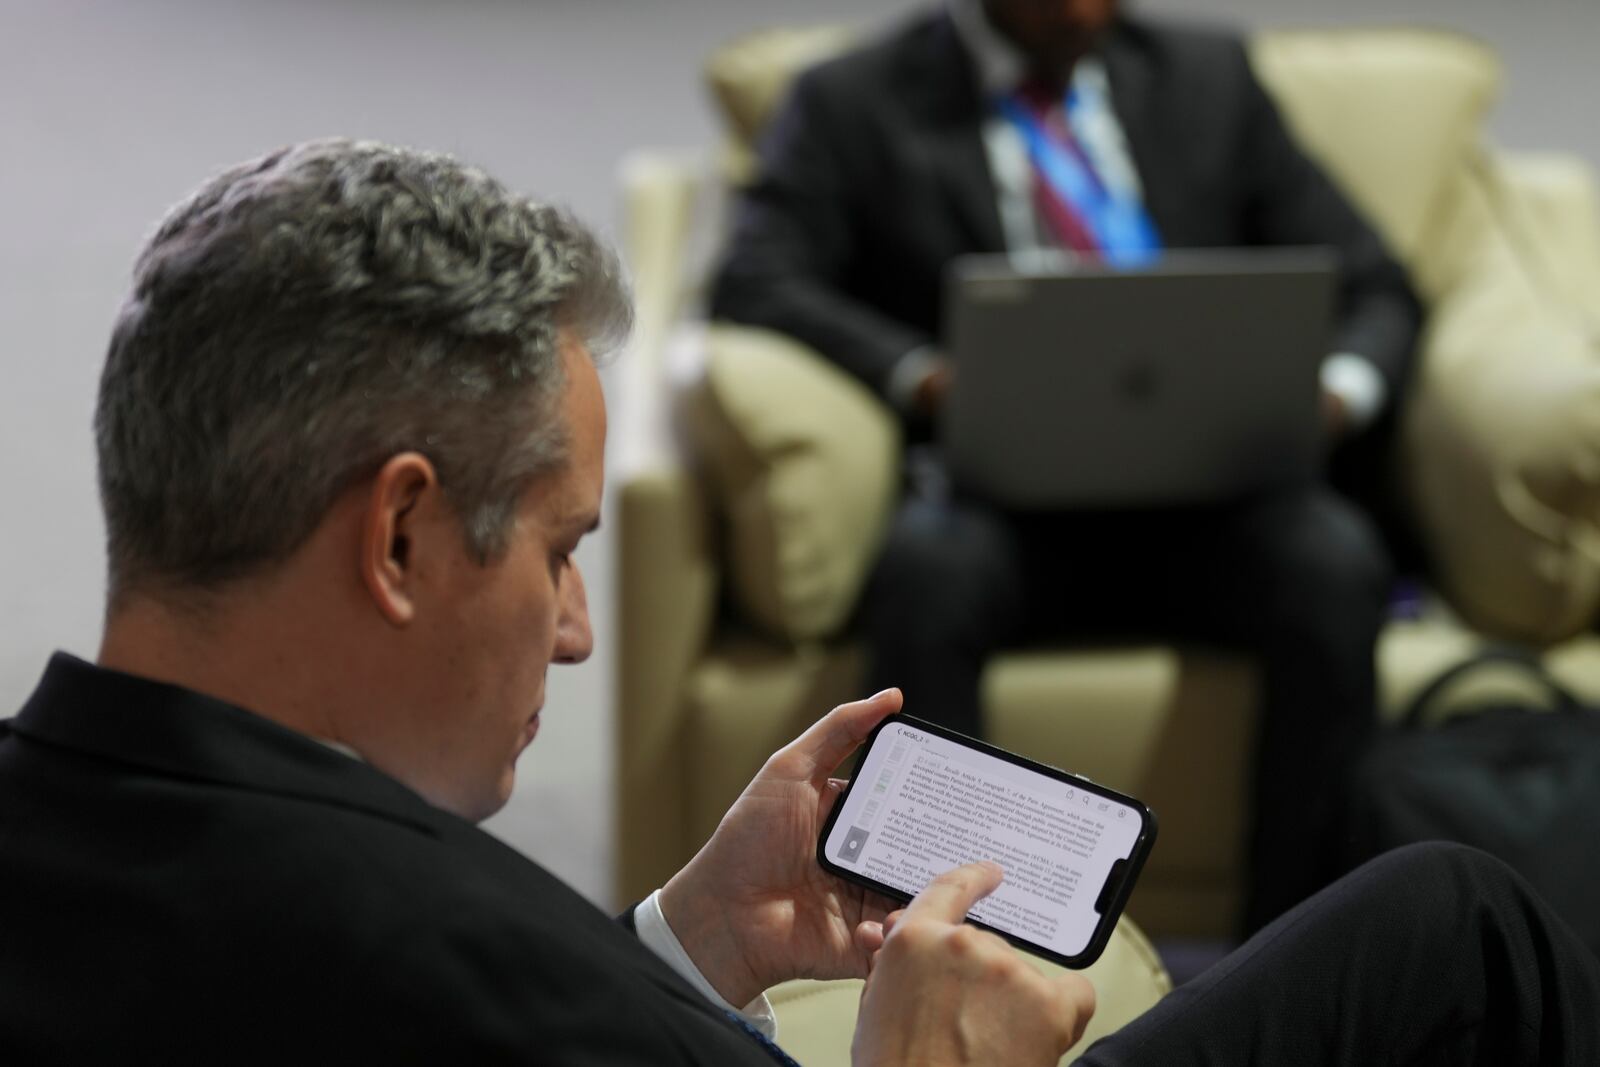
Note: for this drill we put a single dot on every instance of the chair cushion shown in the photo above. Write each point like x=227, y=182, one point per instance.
x=806, y=464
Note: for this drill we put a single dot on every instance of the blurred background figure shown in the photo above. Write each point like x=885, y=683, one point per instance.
x=985, y=126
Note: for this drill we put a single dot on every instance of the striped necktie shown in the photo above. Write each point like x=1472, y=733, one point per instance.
x=1063, y=218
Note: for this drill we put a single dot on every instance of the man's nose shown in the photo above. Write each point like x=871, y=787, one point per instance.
x=574, y=637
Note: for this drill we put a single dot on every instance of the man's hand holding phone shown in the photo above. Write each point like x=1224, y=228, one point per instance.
x=942, y=991
x=753, y=908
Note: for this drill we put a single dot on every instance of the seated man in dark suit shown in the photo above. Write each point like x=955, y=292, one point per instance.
x=350, y=433
x=951, y=136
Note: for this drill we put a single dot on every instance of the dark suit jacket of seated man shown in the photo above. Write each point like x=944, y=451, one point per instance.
x=890, y=161
x=350, y=433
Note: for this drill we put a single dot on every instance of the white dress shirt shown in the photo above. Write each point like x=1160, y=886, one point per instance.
x=652, y=928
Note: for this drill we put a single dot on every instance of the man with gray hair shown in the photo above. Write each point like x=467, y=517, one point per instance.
x=350, y=433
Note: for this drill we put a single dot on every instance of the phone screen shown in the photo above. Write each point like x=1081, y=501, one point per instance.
x=925, y=800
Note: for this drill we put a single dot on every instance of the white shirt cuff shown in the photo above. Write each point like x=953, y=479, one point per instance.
x=652, y=929
x=1354, y=380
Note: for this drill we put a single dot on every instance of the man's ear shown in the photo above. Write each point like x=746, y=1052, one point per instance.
x=397, y=509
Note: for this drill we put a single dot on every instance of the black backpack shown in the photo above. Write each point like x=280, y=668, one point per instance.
x=1519, y=783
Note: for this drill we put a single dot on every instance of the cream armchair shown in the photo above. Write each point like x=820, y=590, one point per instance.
x=753, y=479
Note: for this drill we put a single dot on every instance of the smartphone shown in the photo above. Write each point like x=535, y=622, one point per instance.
x=925, y=799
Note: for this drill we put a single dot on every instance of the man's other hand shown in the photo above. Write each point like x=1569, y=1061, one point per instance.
x=753, y=907
x=942, y=992
x=1335, y=415
x=929, y=396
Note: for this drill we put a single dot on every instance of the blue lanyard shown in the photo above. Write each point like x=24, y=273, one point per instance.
x=1121, y=227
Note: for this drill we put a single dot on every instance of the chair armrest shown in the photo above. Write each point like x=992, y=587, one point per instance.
x=666, y=570
x=1501, y=436
x=662, y=194
x=666, y=585
x=804, y=464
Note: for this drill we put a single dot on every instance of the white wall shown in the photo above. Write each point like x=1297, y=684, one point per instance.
x=111, y=109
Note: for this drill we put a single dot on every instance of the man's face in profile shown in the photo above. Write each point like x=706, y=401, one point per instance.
x=495, y=628
x=1052, y=34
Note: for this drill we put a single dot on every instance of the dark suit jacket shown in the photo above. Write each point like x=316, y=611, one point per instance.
x=182, y=881
x=874, y=176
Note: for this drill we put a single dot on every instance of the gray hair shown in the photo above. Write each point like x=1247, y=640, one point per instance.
x=307, y=315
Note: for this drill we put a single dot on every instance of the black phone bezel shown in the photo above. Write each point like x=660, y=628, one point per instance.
x=1119, y=896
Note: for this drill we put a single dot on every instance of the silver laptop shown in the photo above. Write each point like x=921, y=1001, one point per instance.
x=1191, y=380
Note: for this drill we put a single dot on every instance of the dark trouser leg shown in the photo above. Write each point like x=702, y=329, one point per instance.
x=1300, y=580
x=946, y=594
x=1432, y=954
